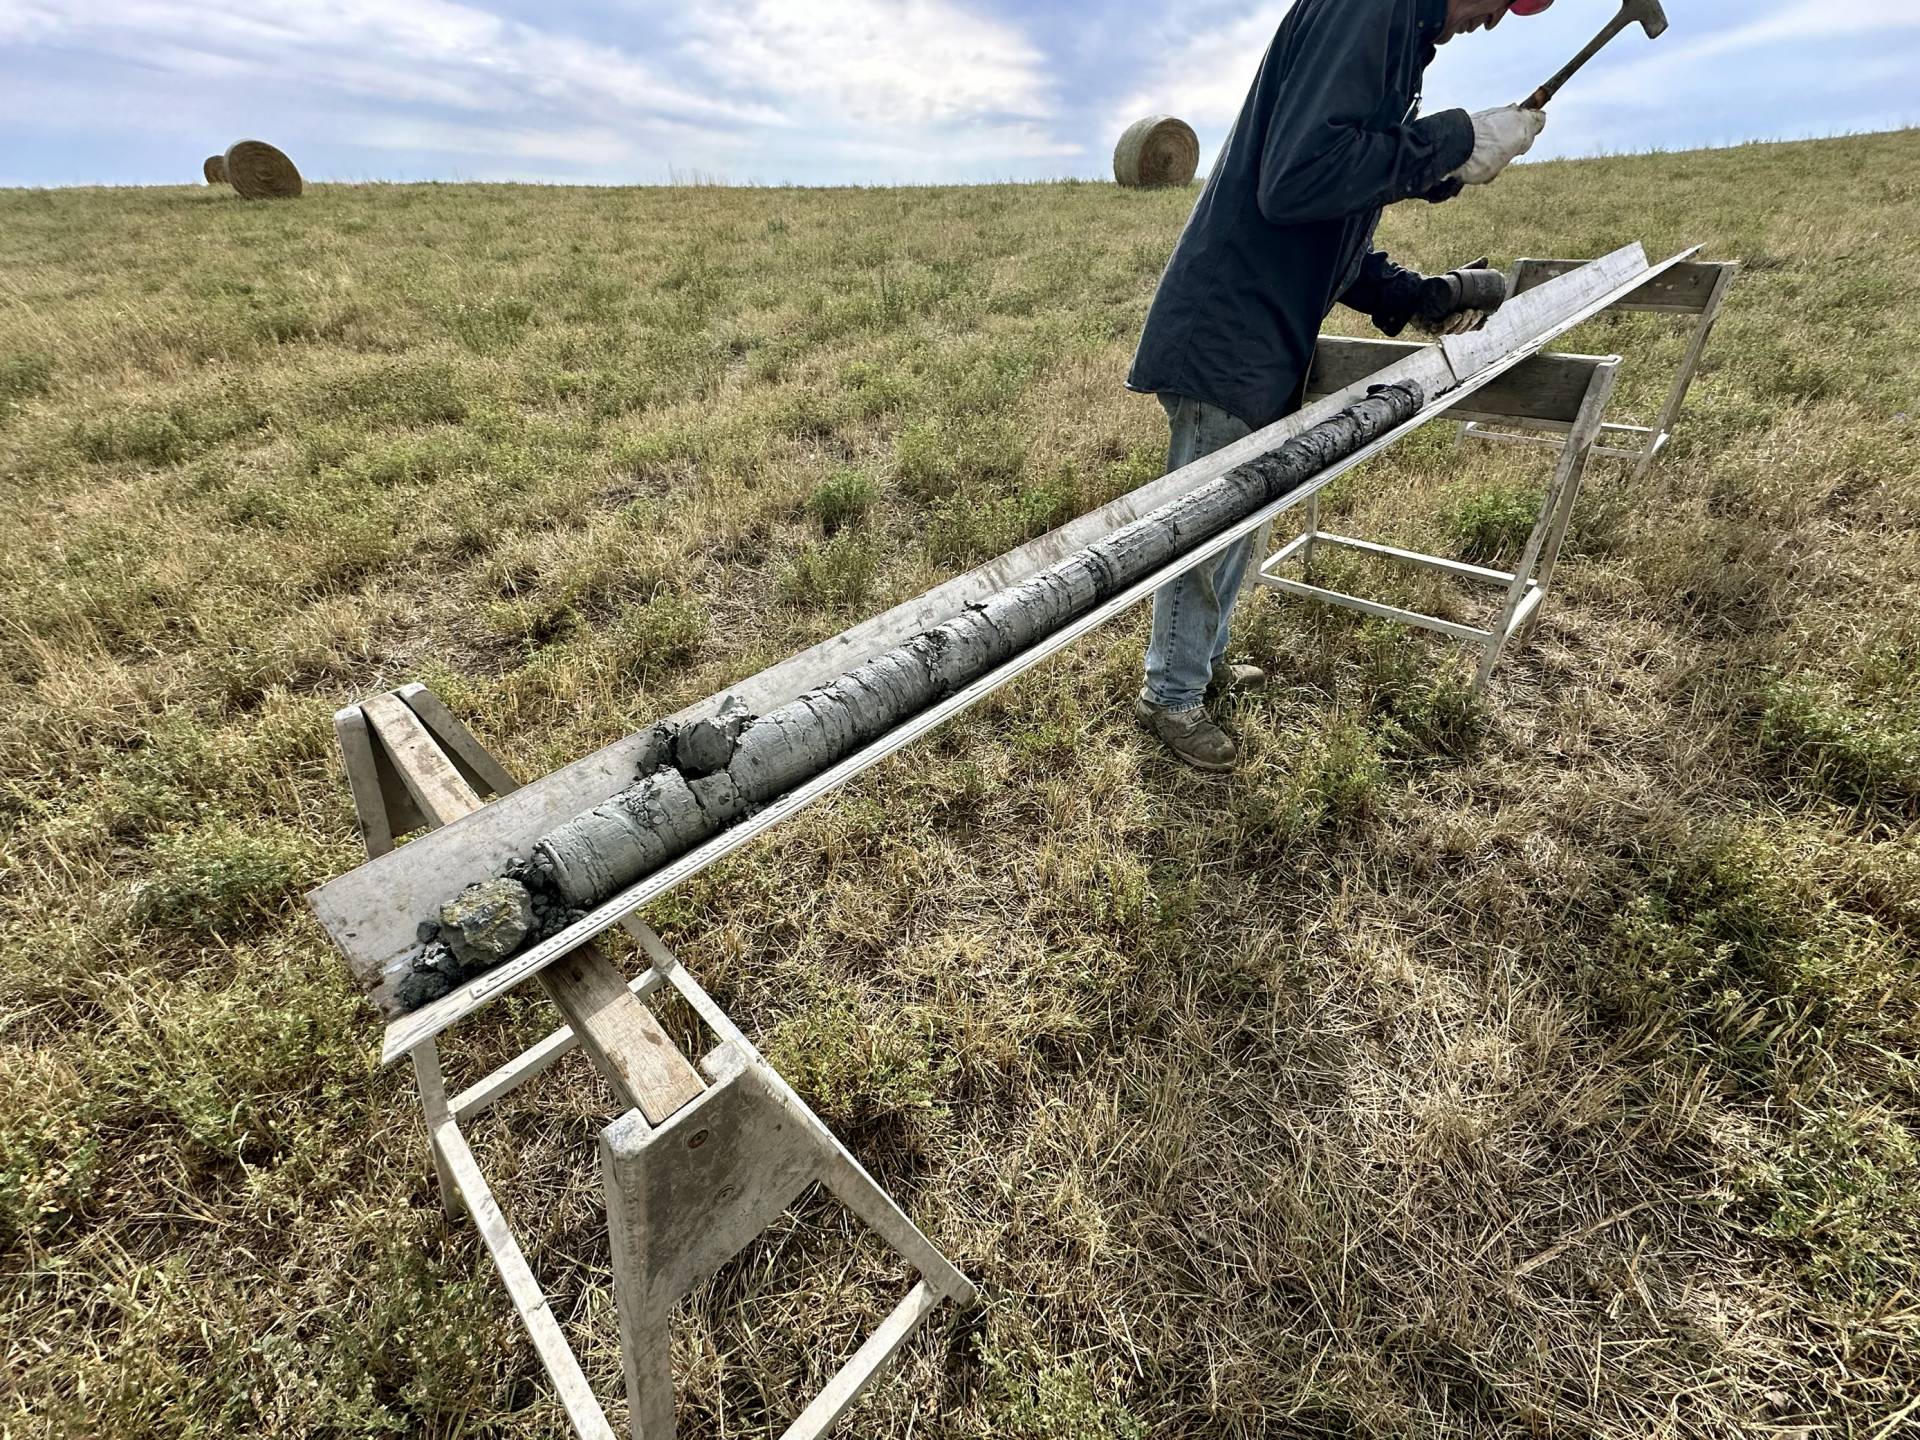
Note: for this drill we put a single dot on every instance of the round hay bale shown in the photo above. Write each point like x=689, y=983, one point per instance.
x=214, y=167
x=1158, y=150
x=260, y=172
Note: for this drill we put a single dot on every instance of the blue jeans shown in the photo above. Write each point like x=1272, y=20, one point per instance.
x=1193, y=614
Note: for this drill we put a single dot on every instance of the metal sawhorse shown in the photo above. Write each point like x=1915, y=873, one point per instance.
x=1695, y=288
x=1564, y=396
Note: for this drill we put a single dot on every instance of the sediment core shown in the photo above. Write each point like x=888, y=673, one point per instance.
x=698, y=779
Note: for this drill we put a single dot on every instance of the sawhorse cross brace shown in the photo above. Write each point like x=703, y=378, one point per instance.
x=703, y=1160
x=1695, y=289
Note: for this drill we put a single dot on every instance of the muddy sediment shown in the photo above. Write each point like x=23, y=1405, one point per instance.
x=700, y=778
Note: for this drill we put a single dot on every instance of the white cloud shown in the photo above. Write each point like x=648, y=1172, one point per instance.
x=874, y=62
x=838, y=90
x=1811, y=20
x=884, y=89
x=1201, y=71
x=433, y=52
x=915, y=87
x=580, y=145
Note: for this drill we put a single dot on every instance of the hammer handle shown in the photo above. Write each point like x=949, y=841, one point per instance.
x=1538, y=100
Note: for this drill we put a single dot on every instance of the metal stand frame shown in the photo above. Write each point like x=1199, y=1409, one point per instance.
x=1564, y=394
x=1695, y=288
x=702, y=1162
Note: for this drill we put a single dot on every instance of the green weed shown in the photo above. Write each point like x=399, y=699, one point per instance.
x=1845, y=1185
x=1045, y=1399
x=842, y=499
x=1330, y=779
x=1489, y=524
x=23, y=377
x=1866, y=752
x=488, y=326
x=1732, y=948
x=831, y=576
x=222, y=877
x=656, y=637
x=857, y=1065
x=396, y=392
x=936, y=460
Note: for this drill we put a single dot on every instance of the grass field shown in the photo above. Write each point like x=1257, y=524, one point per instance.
x=1550, y=1067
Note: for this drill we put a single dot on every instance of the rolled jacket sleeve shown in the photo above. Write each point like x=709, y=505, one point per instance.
x=1328, y=153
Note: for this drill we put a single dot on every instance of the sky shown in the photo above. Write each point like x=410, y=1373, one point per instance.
x=841, y=91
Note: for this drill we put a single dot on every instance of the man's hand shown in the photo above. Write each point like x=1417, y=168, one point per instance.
x=1438, y=304
x=1499, y=138
x=1459, y=301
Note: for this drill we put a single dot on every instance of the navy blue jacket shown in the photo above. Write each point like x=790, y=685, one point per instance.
x=1284, y=229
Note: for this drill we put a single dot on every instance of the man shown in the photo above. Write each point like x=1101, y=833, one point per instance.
x=1330, y=133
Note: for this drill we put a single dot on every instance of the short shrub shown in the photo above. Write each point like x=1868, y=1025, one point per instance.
x=397, y=392
x=52, y=1154
x=1846, y=1185
x=937, y=459
x=1424, y=705
x=281, y=321
x=664, y=632
x=167, y=434
x=1344, y=771
x=145, y=437
x=1860, y=752
x=809, y=413
x=856, y=1068
x=842, y=499
x=488, y=326
x=221, y=877
x=416, y=459
x=963, y=529
x=535, y=619
x=1730, y=946
x=831, y=576
x=23, y=376
x=1047, y=1399
x=1141, y=464
x=876, y=389
x=1492, y=522
x=607, y=391
x=1331, y=780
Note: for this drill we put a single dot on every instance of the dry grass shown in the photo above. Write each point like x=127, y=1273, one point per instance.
x=1547, y=1070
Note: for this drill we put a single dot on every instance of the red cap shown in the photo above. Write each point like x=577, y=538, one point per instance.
x=1529, y=7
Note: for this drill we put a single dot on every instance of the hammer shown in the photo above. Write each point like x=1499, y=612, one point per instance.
x=1651, y=17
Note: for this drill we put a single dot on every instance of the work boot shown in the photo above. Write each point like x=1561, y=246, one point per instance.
x=1190, y=734
x=1235, y=680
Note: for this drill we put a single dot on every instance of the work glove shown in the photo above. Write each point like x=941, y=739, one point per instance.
x=1447, y=304
x=1499, y=138
x=1459, y=301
